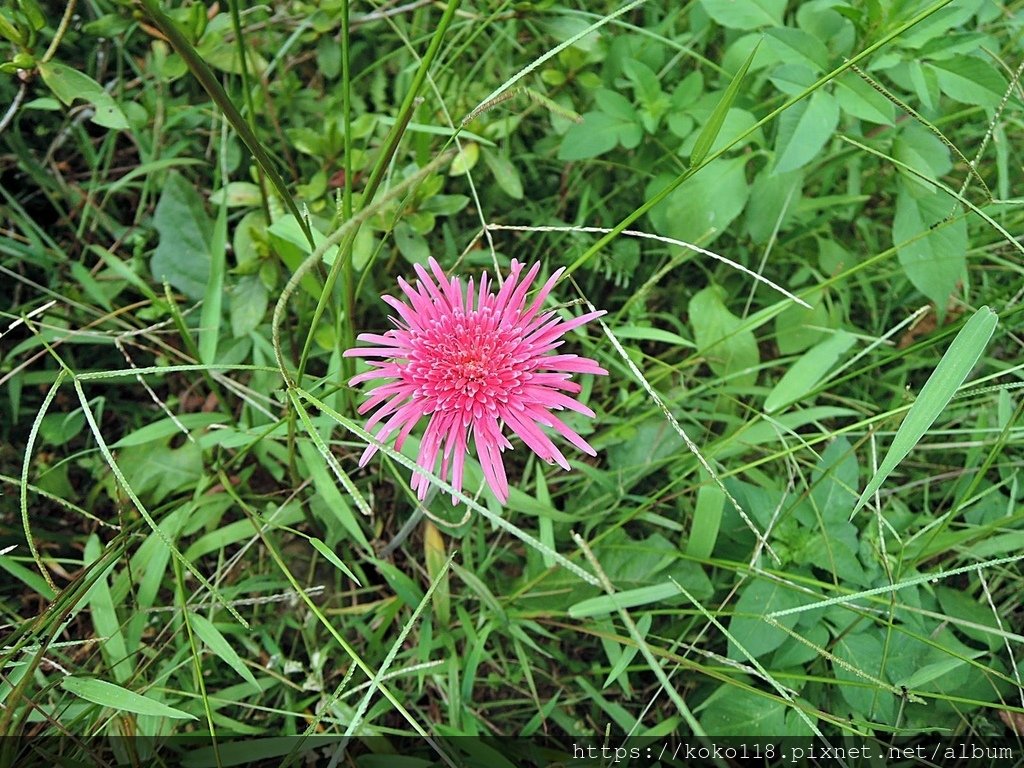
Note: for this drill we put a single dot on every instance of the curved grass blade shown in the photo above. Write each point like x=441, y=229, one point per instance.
x=114, y=696
x=949, y=374
x=714, y=124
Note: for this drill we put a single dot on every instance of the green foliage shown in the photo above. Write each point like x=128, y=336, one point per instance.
x=805, y=515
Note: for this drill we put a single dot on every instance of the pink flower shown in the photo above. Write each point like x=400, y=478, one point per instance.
x=473, y=369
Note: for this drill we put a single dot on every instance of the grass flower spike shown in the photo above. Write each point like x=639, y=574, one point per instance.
x=475, y=362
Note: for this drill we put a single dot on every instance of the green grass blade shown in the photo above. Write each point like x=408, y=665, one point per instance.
x=121, y=699
x=220, y=647
x=952, y=370
x=714, y=124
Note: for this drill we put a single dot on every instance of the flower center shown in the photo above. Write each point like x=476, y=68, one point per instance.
x=465, y=362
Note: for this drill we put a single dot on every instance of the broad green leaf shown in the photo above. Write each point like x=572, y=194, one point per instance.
x=747, y=625
x=737, y=122
x=717, y=331
x=734, y=711
x=121, y=699
x=792, y=44
x=249, y=300
x=505, y=174
x=952, y=370
x=165, y=428
x=924, y=83
x=970, y=80
x=857, y=97
x=466, y=160
x=711, y=129
x=411, y=244
x=289, y=243
x=960, y=604
x=746, y=14
x=862, y=653
x=932, y=248
x=123, y=271
x=798, y=328
x=645, y=333
x=156, y=470
x=805, y=374
x=835, y=480
x=598, y=133
x=69, y=84
x=220, y=647
x=704, y=205
x=937, y=669
x=237, y=194
x=923, y=151
x=182, y=257
x=804, y=129
x=773, y=200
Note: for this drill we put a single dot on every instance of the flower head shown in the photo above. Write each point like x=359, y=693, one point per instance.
x=475, y=362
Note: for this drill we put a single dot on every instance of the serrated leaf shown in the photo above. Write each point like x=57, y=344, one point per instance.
x=121, y=699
